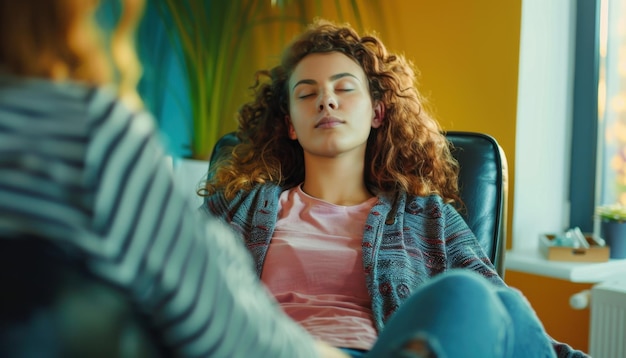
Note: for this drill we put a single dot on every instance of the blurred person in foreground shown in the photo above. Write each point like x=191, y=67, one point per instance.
x=81, y=166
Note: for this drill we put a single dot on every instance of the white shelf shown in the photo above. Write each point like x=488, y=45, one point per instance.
x=531, y=261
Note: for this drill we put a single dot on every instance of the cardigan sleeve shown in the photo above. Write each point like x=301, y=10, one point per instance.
x=463, y=249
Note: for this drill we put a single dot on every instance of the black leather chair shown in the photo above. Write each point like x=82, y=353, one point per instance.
x=50, y=306
x=483, y=182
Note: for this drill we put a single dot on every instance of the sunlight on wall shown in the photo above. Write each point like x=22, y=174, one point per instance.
x=543, y=120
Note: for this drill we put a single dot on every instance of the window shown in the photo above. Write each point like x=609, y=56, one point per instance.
x=585, y=133
x=612, y=103
x=598, y=154
x=565, y=164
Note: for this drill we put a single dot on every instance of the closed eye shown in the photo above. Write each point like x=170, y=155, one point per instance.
x=306, y=95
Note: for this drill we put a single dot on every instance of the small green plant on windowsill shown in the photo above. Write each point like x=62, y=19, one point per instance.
x=613, y=228
x=612, y=212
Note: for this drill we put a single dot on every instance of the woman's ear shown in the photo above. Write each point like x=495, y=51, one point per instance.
x=379, y=114
x=290, y=131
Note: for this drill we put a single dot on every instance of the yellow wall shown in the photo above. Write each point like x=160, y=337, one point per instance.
x=467, y=53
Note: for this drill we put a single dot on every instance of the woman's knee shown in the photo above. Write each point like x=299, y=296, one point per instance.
x=454, y=313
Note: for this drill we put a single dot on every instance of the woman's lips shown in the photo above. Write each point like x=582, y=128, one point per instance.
x=328, y=122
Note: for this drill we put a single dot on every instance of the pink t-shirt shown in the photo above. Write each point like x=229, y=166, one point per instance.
x=314, y=268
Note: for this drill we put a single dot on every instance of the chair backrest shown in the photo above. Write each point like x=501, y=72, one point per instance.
x=482, y=182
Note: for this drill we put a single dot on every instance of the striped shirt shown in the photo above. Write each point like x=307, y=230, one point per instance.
x=79, y=168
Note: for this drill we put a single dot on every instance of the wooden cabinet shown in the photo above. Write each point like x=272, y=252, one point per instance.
x=550, y=299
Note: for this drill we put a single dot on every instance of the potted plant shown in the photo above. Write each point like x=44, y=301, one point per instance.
x=613, y=228
x=220, y=41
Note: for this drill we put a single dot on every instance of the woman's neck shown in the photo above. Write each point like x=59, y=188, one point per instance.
x=336, y=181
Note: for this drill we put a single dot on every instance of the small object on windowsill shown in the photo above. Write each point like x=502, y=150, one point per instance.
x=568, y=247
x=578, y=236
x=596, y=240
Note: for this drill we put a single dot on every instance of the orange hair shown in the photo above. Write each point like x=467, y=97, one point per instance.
x=53, y=39
x=408, y=152
x=59, y=40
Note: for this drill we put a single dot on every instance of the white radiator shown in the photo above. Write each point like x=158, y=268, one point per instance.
x=607, y=334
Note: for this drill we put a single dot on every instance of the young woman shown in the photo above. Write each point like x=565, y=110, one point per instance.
x=344, y=190
x=83, y=170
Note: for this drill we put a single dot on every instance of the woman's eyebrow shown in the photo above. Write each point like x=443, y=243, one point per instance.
x=332, y=78
x=303, y=82
x=341, y=75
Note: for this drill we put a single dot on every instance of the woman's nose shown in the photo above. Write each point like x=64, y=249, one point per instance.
x=327, y=101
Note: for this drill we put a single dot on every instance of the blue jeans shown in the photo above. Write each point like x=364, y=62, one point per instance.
x=461, y=314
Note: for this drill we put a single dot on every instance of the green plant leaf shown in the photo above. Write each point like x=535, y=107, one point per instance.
x=613, y=212
x=212, y=37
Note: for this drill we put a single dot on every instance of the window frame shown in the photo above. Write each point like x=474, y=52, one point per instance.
x=585, y=131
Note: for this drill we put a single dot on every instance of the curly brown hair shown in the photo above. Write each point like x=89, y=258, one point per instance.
x=408, y=152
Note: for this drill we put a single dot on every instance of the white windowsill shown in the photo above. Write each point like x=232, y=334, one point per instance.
x=531, y=261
